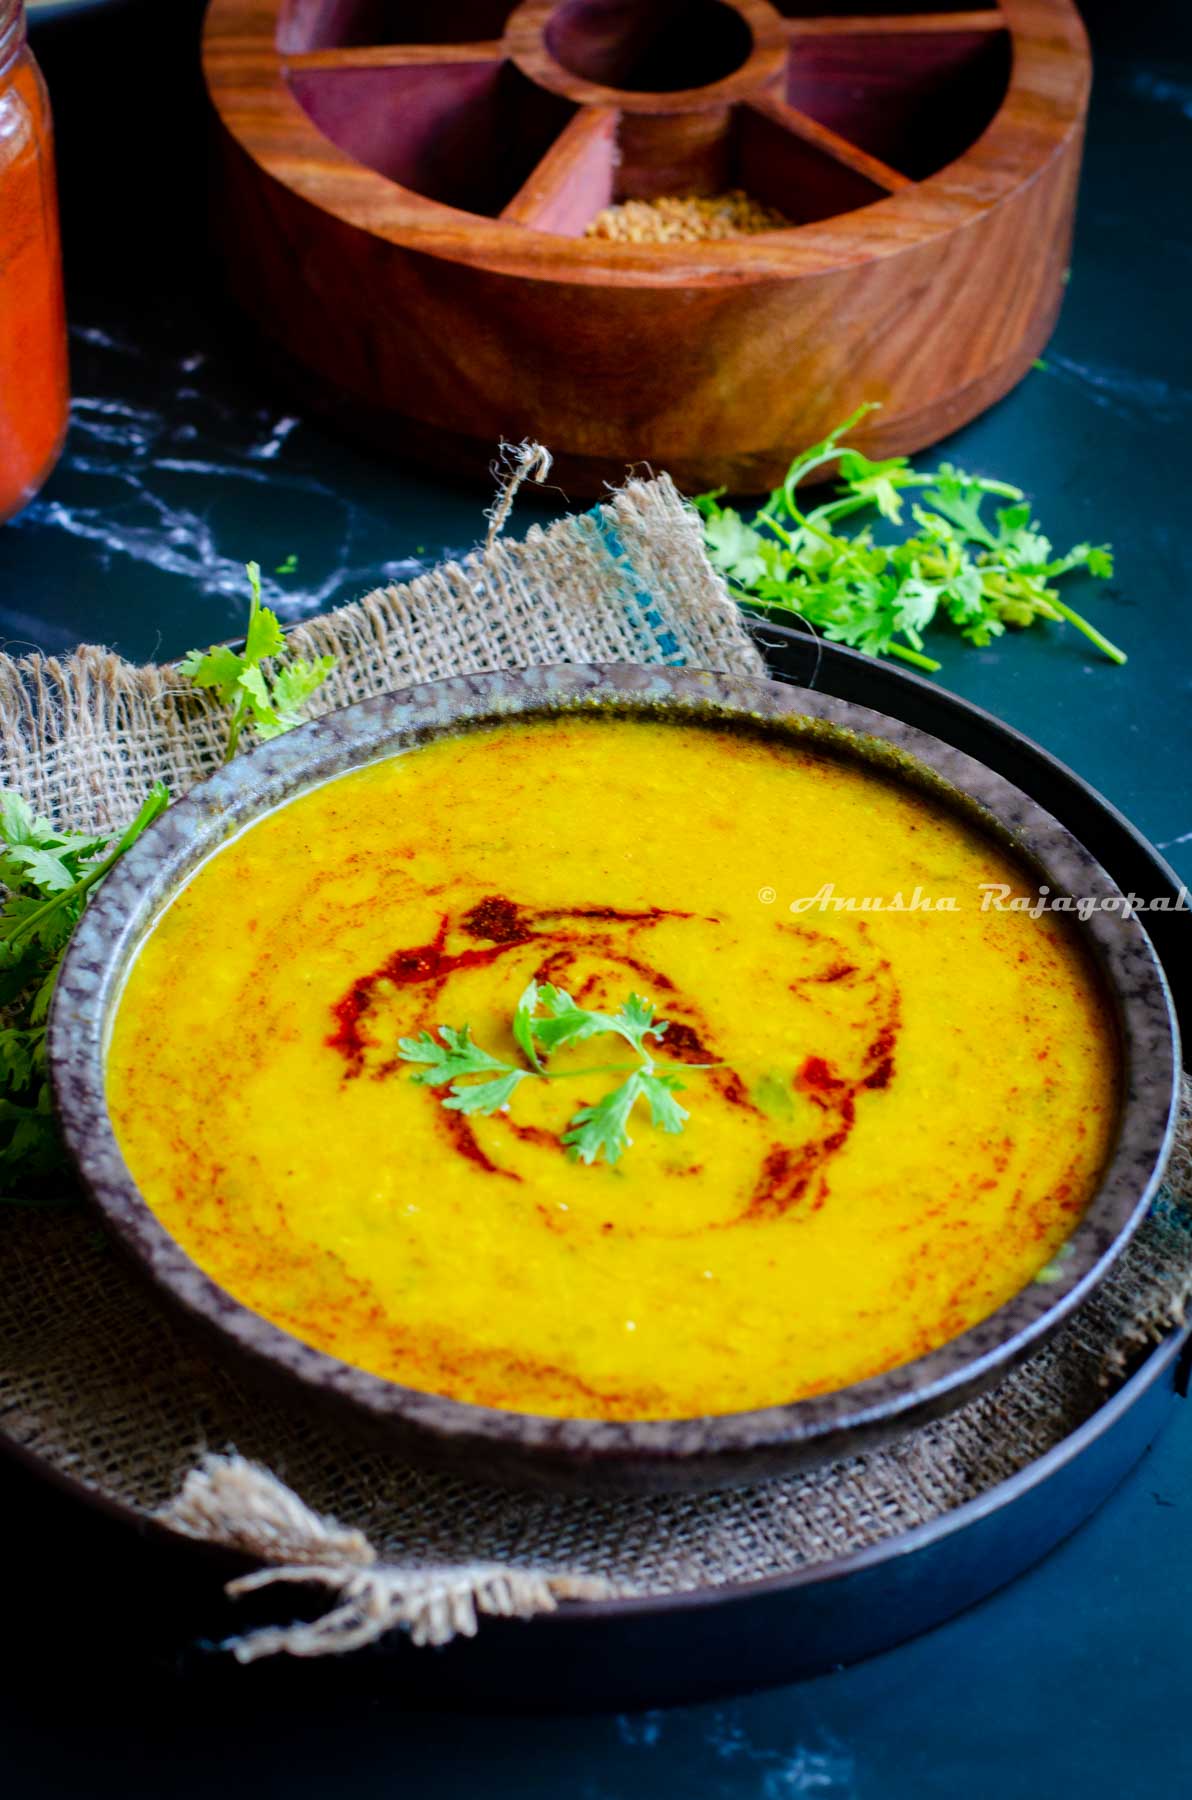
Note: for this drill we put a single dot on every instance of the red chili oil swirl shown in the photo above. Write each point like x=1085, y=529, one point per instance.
x=505, y=926
x=794, y=1176
x=791, y=1177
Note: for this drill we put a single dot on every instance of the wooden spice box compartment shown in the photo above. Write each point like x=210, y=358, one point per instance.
x=404, y=191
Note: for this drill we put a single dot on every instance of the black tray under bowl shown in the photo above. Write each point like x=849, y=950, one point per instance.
x=717, y=1641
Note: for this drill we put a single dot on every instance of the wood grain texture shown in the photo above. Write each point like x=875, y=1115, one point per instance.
x=419, y=250
x=895, y=24
x=394, y=56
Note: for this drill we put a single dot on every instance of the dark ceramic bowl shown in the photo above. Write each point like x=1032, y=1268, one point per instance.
x=581, y=1453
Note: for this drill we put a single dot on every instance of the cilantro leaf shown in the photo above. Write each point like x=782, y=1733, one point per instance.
x=43, y=869
x=772, y=1095
x=295, y=682
x=49, y=875
x=958, y=497
x=486, y=1096
x=879, y=482
x=259, y=704
x=457, y=1055
x=523, y=1025
x=600, y=1129
x=270, y=702
x=957, y=567
x=264, y=636
x=733, y=546
x=220, y=668
x=18, y=822
x=603, y=1128
x=665, y=1111
x=567, y=1023
x=635, y=1021
x=18, y=1058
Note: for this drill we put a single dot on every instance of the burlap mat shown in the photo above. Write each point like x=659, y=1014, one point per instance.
x=101, y=1383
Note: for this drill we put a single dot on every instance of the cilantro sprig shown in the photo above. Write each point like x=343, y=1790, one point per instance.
x=271, y=702
x=49, y=875
x=455, y=1057
x=546, y=1021
x=981, y=575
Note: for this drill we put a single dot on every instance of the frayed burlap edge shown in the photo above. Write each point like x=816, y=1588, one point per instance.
x=239, y=1505
x=83, y=736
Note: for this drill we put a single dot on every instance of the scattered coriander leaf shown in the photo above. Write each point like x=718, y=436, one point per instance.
x=46, y=869
x=18, y=822
x=48, y=875
x=293, y=685
x=456, y=1056
x=1053, y=1271
x=270, y=702
x=264, y=636
x=956, y=566
x=220, y=668
x=878, y=482
x=735, y=548
x=17, y=1060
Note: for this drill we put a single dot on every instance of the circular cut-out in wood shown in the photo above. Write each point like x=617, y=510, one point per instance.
x=406, y=187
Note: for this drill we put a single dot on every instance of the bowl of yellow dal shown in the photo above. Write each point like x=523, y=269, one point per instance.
x=896, y=1085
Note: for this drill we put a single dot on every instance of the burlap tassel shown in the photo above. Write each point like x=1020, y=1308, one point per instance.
x=514, y=464
x=239, y=1505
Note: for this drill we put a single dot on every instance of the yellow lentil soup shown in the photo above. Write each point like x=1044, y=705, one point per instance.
x=909, y=1111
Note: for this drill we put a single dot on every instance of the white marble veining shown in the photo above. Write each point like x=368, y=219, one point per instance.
x=1122, y=391
x=174, y=479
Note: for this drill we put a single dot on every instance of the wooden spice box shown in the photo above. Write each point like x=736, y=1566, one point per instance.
x=404, y=190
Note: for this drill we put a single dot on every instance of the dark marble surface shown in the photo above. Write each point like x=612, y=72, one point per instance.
x=182, y=463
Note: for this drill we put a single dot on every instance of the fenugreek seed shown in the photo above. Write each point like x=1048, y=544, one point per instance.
x=685, y=219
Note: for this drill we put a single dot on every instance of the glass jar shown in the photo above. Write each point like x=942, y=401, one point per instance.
x=34, y=391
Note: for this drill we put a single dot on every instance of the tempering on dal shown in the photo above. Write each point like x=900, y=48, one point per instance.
x=912, y=1112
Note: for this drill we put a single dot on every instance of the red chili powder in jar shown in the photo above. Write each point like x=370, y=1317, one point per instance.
x=34, y=390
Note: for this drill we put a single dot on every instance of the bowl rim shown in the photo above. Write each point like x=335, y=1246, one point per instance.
x=710, y=1449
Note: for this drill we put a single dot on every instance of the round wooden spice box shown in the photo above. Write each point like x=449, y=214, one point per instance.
x=406, y=187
